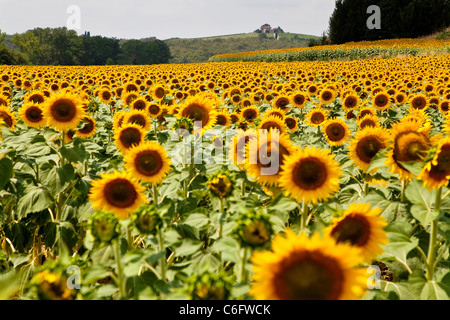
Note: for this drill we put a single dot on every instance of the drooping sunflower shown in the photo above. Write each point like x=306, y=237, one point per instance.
x=127, y=136
x=148, y=162
x=32, y=115
x=116, y=192
x=88, y=129
x=436, y=173
x=8, y=117
x=410, y=143
x=63, y=111
x=118, y=119
x=139, y=117
x=366, y=144
x=310, y=175
x=361, y=227
x=200, y=108
x=307, y=268
x=266, y=155
x=220, y=184
x=272, y=123
x=316, y=117
x=336, y=131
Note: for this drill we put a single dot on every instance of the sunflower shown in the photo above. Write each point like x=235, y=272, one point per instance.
x=223, y=118
x=350, y=102
x=307, y=268
x=139, y=104
x=436, y=173
x=88, y=129
x=336, y=131
x=32, y=115
x=275, y=112
x=34, y=96
x=419, y=101
x=281, y=102
x=220, y=185
x=200, y=108
x=118, y=119
x=366, y=144
x=154, y=110
x=158, y=92
x=63, y=111
x=266, y=155
x=4, y=100
x=361, y=227
x=129, y=97
x=139, y=117
x=381, y=101
x=291, y=123
x=148, y=162
x=365, y=111
x=8, y=117
x=299, y=99
x=116, y=192
x=327, y=96
x=272, y=122
x=444, y=106
x=368, y=121
x=127, y=136
x=316, y=117
x=410, y=143
x=105, y=95
x=250, y=113
x=238, y=145
x=310, y=175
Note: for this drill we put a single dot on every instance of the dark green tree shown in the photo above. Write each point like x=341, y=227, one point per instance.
x=139, y=52
x=99, y=50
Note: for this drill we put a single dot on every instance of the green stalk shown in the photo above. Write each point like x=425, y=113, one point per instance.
x=433, y=237
x=403, y=196
x=303, y=217
x=244, y=261
x=243, y=188
x=155, y=194
x=119, y=269
x=163, y=258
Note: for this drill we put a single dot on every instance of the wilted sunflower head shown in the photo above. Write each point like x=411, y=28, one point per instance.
x=147, y=219
x=104, y=226
x=209, y=286
x=221, y=184
x=254, y=229
x=307, y=268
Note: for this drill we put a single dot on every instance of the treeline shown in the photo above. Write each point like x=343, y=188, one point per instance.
x=60, y=46
x=399, y=19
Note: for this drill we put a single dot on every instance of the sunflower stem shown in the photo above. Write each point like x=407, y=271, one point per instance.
x=243, y=188
x=119, y=269
x=163, y=258
x=221, y=221
x=155, y=193
x=243, y=275
x=433, y=237
x=303, y=216
x=403, y=195
x=63, y=144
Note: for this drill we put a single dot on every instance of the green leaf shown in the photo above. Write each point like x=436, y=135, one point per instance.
x=229, y=247
x=423, y=200
x=56, y=179
x=197, y=220
x=188, y=247
x=433, y=291
x=378, y=161
x=414, y=167
x=6, y=168
x=64, y=231
x=399, y=288
x=35, y=200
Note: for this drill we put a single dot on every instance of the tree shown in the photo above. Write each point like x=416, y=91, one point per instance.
x=99, y=50
x=138, y=52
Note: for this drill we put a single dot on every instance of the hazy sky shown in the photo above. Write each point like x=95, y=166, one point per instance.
x=135, y=19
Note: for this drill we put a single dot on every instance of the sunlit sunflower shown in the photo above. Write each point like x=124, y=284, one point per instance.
x=139, y=104
x=237, y=147
x=63, y=111
x=117, y=193
x=4, y=100
x=381, y=101
x=316, y=117
x=281, y=102
x=275, y=112
x=410, y=143
x=291, y=123
x=200, y=108
x=366, y=144
x=105, y=95
x=272, y=123
x=418, y=101
x=436, y=173
x=350, y=102
x=366, y=111
x=223, y=118
x=310, y=175
x=369, y=121
x=307, y=268
x=266, y=155
x=250, y=113
x=139, y=117
x=327, y=96
x=158, y=92
x=361, y=227
x=127, y=136
x=129, y=97
x=299, y=99
x=148, y=162
x=8, y=117
x=118, y=119
x=154, y=110
x=336, y=131
x=88, y=128
x=34, y=96
x=32, y=115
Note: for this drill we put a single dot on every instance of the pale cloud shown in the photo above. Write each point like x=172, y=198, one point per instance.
x=170, y=18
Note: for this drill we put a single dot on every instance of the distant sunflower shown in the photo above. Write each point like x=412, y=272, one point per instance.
x=237, y=146
x=275, y=112
x=436, y=173
x=336, y=131
x=299, y=99
x=117, y=193
x=361, y=227
x=139, y=104
x=366, y=144
x=32, y=115
x=223, y=118
x=34, y=96
x=105, y=95
x=310, y=175
x=327, y=96
x=368, y=121
x=366, y=111
x=129, y=97
x=154, y=110
x=291, y=123
x=127, y=136
x=272, y=122
x=281, y=102
x=250, y=113
x=350, y=102
x=139, y=117
x=148, y=162
x=419, y=101
x=266, y=155
x=307, y=268
x=88, y=129
x=63, y=111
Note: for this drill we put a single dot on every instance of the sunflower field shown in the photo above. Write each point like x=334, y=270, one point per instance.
x=226, y=181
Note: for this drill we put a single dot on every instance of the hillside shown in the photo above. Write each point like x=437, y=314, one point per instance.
x=201, y=49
